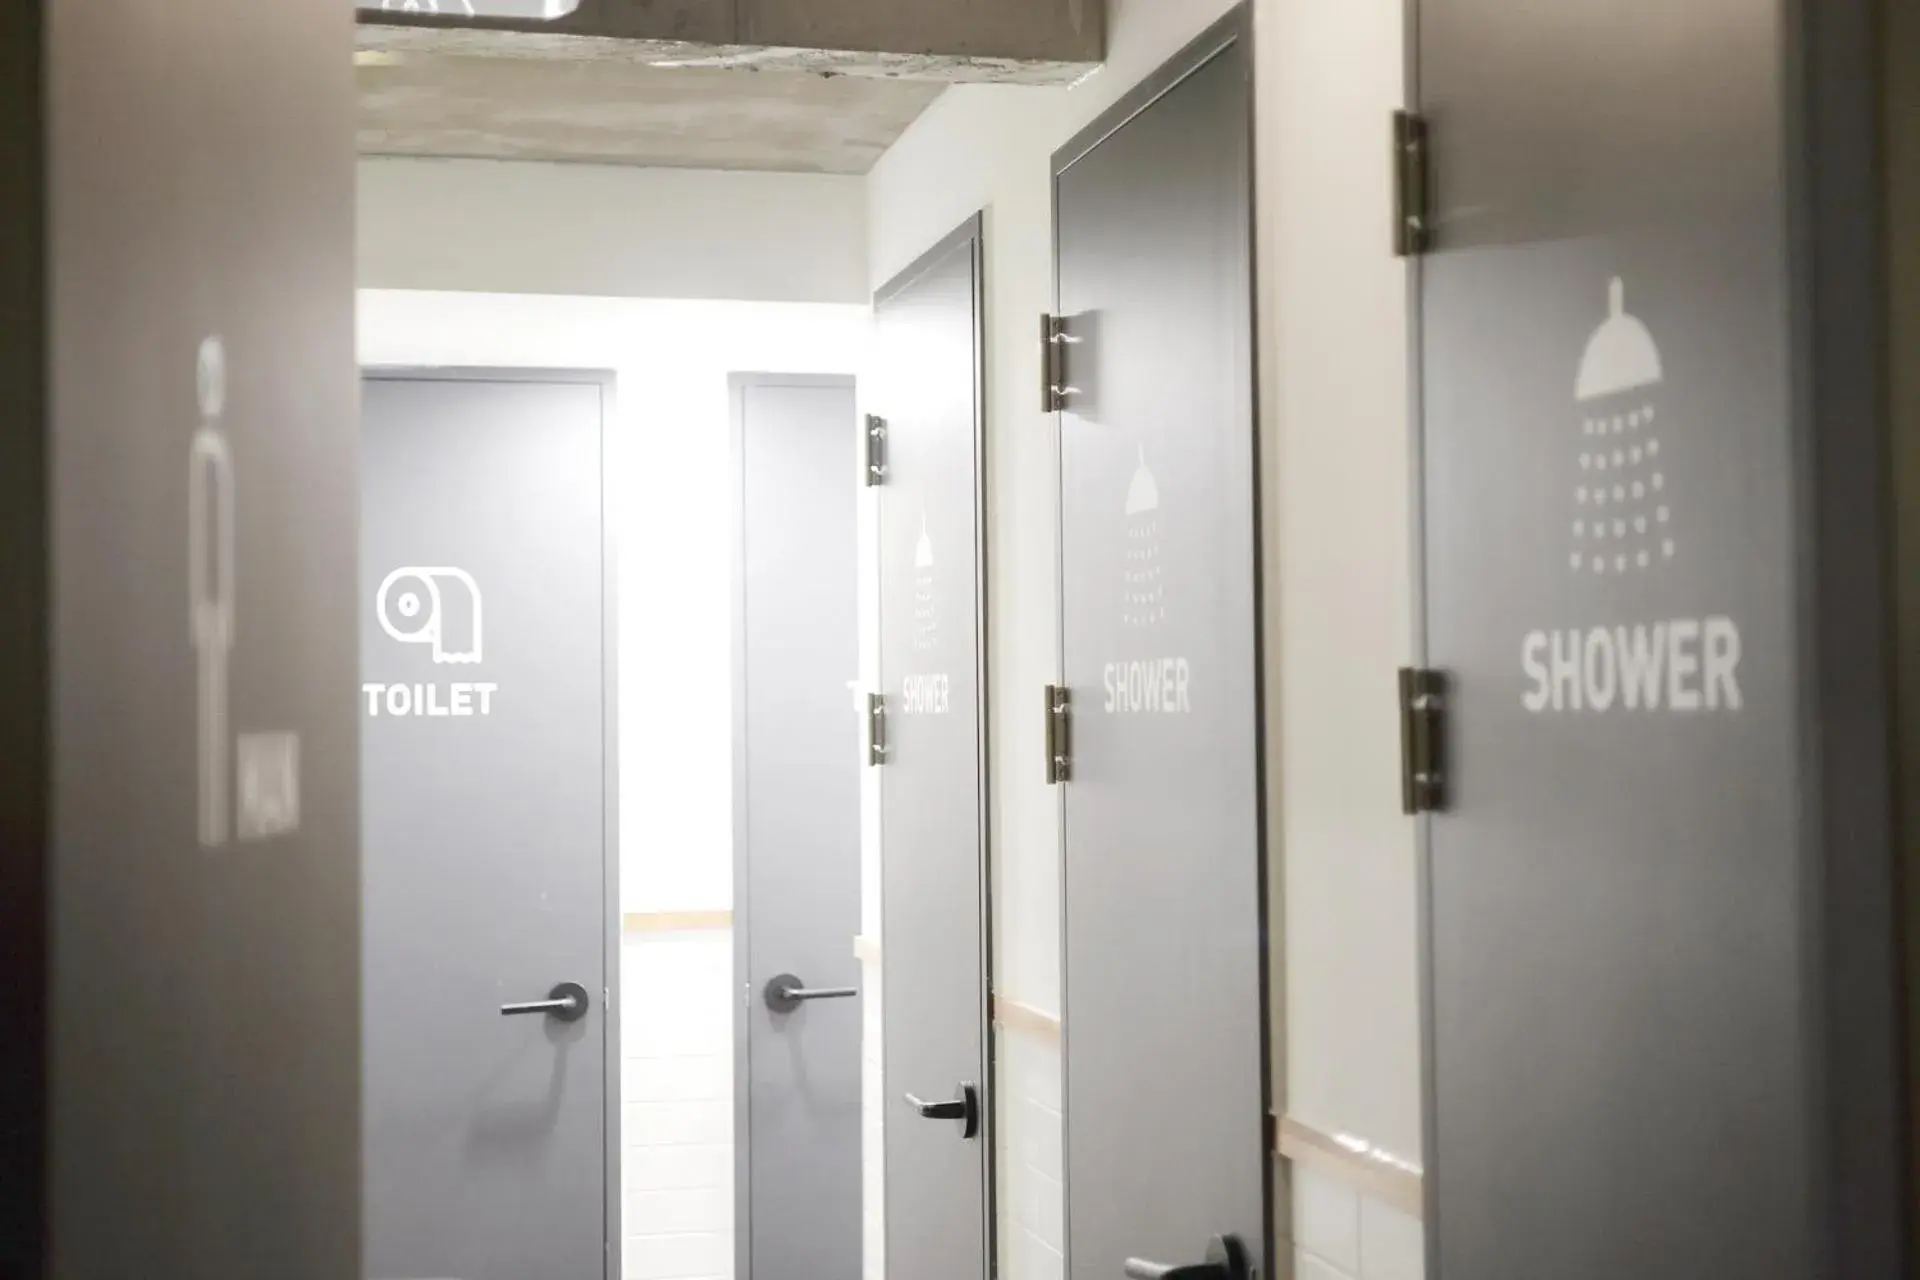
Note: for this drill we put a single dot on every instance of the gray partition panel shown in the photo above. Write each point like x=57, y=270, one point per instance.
x=204, y=857
x=934, y=932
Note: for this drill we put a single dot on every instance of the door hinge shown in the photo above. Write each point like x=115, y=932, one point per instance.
x=876, y=728
x=1059, y=736
x=876, y=450
x=1054, y=341
x=1423, y=735
x=1412, y=186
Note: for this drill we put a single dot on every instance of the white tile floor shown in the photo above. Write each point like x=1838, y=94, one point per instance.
x=677, y=1087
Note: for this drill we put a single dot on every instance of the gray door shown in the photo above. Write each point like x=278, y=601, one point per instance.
x=181, y=593
x=796, y=831
x=488, y=831
x=1651, y=965
x=932, y=778
x=1165, y=1079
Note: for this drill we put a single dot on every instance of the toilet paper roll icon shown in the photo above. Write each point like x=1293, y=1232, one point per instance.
x=439, y=607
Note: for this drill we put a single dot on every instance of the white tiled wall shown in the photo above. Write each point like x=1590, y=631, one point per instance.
x=1032, y=1201
x=677, y=1094
x=873, y=1134
x=1342, y=1234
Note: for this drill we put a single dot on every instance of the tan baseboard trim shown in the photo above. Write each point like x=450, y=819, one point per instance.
x=866, y=949
x=1366, y=1169
x=674, y=921
x=1015, y=1016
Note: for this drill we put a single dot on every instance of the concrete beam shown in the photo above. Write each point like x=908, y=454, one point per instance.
x=954, y=41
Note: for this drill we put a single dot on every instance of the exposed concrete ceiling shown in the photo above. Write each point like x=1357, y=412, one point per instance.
x=1031, y=41
x=609, y=111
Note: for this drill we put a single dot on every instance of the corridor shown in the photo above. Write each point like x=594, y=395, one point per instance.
x=1031, y=640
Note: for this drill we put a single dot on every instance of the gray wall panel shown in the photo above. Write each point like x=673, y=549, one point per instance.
x=205, y=985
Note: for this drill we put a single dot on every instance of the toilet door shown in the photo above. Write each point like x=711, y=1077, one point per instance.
x=488, y=828
x=796, y=833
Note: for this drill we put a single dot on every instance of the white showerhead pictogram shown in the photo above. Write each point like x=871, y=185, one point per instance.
x=1622, y=518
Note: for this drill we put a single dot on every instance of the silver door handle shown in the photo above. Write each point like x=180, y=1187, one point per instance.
x=567, y=1002
x=786, y=993
x=965, y=1109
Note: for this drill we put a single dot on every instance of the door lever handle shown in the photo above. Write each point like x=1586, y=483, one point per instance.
x=965, y=1109
x=1141, y=1269
x=1226, y=1260
x=566, y=1002
x=786, y=993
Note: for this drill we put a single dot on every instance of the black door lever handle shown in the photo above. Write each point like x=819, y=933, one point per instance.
x=1226, y=1260
x=1140, y=1269
x=965, y=1109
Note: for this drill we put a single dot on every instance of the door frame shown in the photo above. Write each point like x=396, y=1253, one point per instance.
x=608, y=383
x=1236, y=26
x=972, y=231
x=741, y=986
x=27, y=692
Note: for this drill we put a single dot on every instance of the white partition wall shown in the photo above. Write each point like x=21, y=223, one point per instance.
x=1340, y=623
x=610, y=231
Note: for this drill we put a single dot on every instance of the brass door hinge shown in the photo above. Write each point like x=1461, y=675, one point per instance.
x=1412, y=186
x=1059, y=735
x=1423, y=734
x=1054, y=341
x=875, y=459
x=876, y=729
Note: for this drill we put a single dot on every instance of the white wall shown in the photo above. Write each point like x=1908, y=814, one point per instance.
x=672, y=515
x=1340, y=539
x=596, y=230
x=1334, y=409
